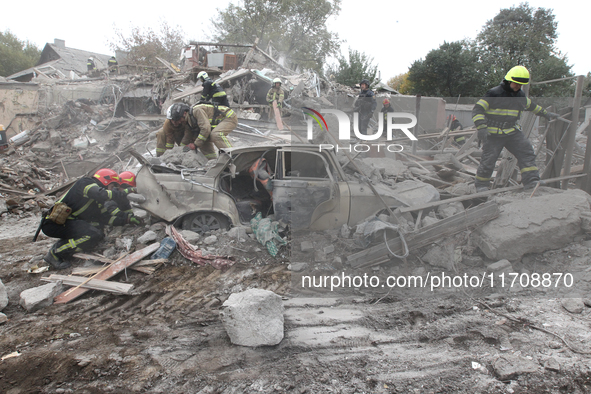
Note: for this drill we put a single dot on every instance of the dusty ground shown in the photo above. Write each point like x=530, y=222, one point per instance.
x=167, y=337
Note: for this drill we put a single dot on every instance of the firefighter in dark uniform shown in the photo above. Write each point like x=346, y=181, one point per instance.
x=365, y=105
x=496, y=117
x=454, y=126
x=176, y=129
x=90, y=65
x=82, y=230
x=112, y=64
x=212, y=91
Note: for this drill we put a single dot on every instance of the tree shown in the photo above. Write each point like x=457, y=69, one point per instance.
x=144, y=45
x=448, y=71
x=522, y=36
x=16, y=55
x=352, y=70
x=296, y=28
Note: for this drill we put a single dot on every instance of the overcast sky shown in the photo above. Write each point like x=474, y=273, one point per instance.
x=394, y=33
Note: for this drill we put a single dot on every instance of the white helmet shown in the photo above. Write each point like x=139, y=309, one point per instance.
x=276, y=80
x=202, y=75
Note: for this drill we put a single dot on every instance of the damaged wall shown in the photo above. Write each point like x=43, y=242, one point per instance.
x=17, y=99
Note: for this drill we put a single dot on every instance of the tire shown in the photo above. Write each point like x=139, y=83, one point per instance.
x=205, y=222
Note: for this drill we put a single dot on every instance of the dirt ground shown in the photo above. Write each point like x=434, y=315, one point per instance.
x=167, y=337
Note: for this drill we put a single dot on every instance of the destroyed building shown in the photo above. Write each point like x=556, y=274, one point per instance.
x=176, y=324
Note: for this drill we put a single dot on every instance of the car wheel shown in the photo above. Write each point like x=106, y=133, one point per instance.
x=205, y=222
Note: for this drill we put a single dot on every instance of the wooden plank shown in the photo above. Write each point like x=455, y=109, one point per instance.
x=69, y=295
x=467, y=144
x=93, y=284
x=472, y=217
x=277, y=116
x=478, y=195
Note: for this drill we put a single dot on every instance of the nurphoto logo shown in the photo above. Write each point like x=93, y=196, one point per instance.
x=344, y=134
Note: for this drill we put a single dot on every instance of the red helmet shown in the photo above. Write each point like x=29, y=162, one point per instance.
x=386, y=101
x=106, y=176
x=127, y=178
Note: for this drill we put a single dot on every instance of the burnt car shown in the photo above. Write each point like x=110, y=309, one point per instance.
x=299, y=184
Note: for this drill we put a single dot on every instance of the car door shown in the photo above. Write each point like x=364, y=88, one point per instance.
x=305, y=191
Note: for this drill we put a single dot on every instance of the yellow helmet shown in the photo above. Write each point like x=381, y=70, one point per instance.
x=518, y=74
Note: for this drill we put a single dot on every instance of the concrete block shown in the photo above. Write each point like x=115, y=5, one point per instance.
x=573, y=305
x=147, y=237
x=253, y=318
x=210, y=240
x=190, y=236
x=510, y=366
x=533, y=225
x=40, y=297
x=307, y=246
x=3, y=318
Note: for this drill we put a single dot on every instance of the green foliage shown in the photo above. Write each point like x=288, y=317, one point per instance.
x=352, y=70
x=144, y=45
x=16, y=55
x=523, y=36
x=296, y=28
x=448, y=71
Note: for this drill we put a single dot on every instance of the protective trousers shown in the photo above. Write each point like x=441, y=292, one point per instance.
x=75, y=236
x=218, y=137
x=519, y=146
x=161, y=141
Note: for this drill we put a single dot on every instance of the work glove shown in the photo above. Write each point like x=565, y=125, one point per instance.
x=482, y=136
x=199, y=143
x=130, y=190
x=135, y=221
x=189, y=147
x=550, y=115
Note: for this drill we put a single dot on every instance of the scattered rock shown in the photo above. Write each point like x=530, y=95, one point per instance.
x=190, y=236
x=552, y=365
x=307, y=246
x=110, y=252
x=40, y=297
x=238, y=233
x=3, y=296
x=587, y=302
x=149, y=236
x=509, y=366
x=441, y=256
x=3, y=206
x=345, y=231
x=447, y=210
x=298, y=267
x=554, y=345
x=3, y=318
x=253, y=318
x=140, y=213
x=573, y=305
x=328, y=249
x=210, y=240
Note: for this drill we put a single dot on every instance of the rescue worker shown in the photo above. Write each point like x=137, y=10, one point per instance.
x=454, y=126
x=276, y=94
x=386, y=107
x=126, y=181
x=212, y=91
x=496, y=117
x=91, y=67
x=365, y=105
x=113, y=62
x=80, y=227
x=176, y=129
x=112, y=65
x=215, y=123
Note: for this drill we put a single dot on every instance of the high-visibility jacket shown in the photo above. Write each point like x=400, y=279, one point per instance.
x=500, y=108
x=214, y=92
x=208, y=116
x=113, y=62
x=171, y=131
x=87, y=200
x=275, y=94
